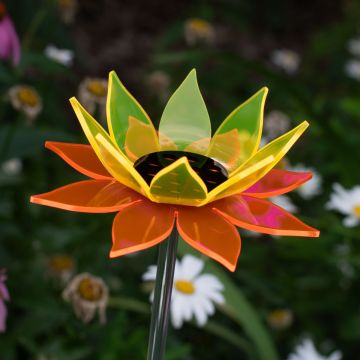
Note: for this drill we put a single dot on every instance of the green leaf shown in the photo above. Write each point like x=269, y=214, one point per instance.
x=185, y=118
x=239, y=309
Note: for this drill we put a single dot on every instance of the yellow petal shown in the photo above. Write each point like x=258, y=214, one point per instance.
x=275, y=151
x=108, y=153
x=179, y=184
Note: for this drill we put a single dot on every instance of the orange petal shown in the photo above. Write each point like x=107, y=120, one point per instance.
x=81, y=157
x=277, y=182
x=262, y=216
x=141, y=226
x=91, y=196
x=210, y=233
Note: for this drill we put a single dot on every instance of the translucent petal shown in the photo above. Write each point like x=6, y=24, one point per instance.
x=178, y=183
x=277, y=182
x=110, y=156
x=275, y=150
x=141, y=139
x=141, y=226
x=119, y=107
x=81, y=157
x=91, y=196
x=238, y=137
x=210, y=233
x=262, y=216
x=185, y=118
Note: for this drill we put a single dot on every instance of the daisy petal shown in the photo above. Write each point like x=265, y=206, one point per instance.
x=121, y=106
x=238, y=137
x=81, y=157
x=207, y=282
x=177, y=317
x=210, y=233
x=185, y=118
x=91, y=196
x=141, y=226
x=277, y=182
x=262, y=216
x=191, y=267
x=178, y=183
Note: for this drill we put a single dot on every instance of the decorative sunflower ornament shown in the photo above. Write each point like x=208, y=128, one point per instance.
x=179, y=177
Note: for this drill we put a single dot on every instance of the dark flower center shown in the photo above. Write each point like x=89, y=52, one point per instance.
x=209, y=170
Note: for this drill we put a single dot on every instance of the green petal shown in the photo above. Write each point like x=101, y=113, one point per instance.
x=185, y=118
x=119, y=107
x=238, y=137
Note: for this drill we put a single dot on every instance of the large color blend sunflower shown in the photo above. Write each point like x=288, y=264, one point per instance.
x=152, y=179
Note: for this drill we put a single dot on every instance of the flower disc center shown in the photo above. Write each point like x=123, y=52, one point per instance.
x=185, y=287
x=356, y=211
x=90, y=290
x=210, y=171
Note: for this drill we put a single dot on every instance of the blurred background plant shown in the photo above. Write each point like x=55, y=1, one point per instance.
x=285, y=290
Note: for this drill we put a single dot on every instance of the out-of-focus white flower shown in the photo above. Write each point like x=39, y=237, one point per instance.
x=280, y=319
x=87, y=294
x=312, y=187
x=26, y=99
x=62, y=56
x=276, y=123
x=286, y=60
x=194, y=294
x=284, y=202
x=346, y=202
x=12, y=167
x=67, y=10
x=92, y=94
x=352, y=69
x=158, y=83
x=198, y=31
x=354, y=46
x=61, y=268
x=307, y=351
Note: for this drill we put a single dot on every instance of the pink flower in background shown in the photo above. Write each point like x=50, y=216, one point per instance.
x=4, y=296
x=9, y=41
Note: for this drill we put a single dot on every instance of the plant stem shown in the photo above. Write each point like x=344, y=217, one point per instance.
x=162, y=297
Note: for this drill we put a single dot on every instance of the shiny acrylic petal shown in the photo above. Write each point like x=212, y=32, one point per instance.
x=141, y=139
x=108, y=153
x=210, y=233
x=119, y=107
x=178, y=183
x=141, y=226
x=185, y=118
x=262, y=216
x=238, y=137
x=81, y=157
x=275, y=150
x=277, y=182
x=91, y=196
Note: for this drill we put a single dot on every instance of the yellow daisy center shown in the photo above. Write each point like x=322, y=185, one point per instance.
x=66, y=3
x=28, y=97
x=90, y=290
x=97, y=88
x=200, y=25
x=279, y=315
x=356, y=210
x=185, y=287
x=61, y=263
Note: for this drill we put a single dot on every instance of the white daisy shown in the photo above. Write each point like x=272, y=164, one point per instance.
x=12, y=167
x=286, y=60
x=284, y=202
x=276, y=123
x=62, y=56
x=307, y=351
x=312, y=187
x=352, y=69
x=354, y=46
x=346, y=202
x=194, y=294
